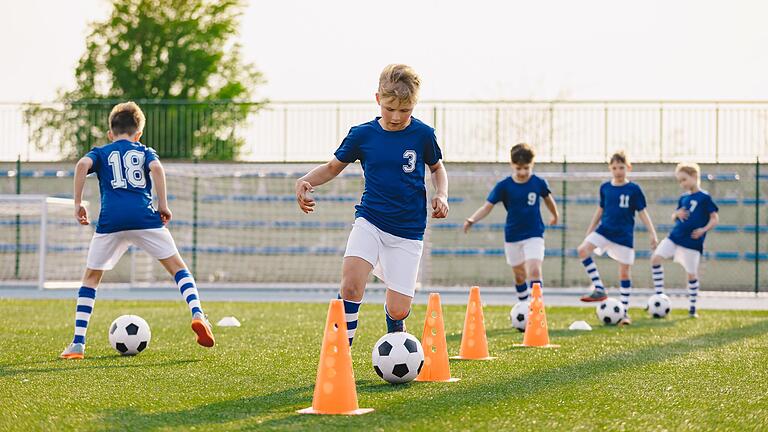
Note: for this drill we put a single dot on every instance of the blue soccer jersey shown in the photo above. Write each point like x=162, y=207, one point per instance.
x=699, y=206
x=619, y=204
x=522, y=201
x=125, y=186
x=395, y=195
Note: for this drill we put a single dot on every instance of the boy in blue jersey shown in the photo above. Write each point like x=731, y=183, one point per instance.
x=612, y=231
x=126, y=169
x=390, y=220
x=521, y=194
x=696, y=214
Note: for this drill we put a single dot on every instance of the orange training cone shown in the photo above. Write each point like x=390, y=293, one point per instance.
x=536, y=332
x=474, y=343
x=335, y=391
x=436, y=366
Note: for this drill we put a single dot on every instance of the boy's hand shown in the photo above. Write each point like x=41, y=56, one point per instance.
x=81, y=214
x=553, y=221
x=439, y=206
x=306, y=202
x=468, y=225
x=654, y=242
x=698, y=233
x=682, y=214
x=165, y=214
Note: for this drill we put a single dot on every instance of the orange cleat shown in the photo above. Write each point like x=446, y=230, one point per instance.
x=202, y=328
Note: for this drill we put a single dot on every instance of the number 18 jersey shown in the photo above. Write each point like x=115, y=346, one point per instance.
x=125, y=186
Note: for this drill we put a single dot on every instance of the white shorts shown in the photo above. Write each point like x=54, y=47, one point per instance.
x=688, y=258
x=620, y=253
x=106, y=249
x=521, y=251
x=395, y=260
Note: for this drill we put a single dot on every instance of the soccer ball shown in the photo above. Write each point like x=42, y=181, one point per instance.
x=518, y=316
x=610, y=311
x=129, y=334
x=659, y=305
x=397, y=357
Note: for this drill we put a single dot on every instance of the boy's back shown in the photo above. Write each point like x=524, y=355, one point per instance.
x=125, y=186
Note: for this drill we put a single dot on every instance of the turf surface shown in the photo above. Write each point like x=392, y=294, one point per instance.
x=672, y=374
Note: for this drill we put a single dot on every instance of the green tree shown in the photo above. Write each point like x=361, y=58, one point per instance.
x=179, y=60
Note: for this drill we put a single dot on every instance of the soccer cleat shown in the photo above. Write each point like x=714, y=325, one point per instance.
x=202, y=328
x=594, y=296
x=75, y=351
x=625, y=321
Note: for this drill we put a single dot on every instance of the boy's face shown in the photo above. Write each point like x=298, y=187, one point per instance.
x=395, y=114
x=619, y=170
x=686, y=181
x=522, y=171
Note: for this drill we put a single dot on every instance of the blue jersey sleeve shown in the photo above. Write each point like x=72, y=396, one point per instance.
x=711, y=206
x=94, y=155
x=639, y=200
x=349, y=150
x=544, y=189
x=497, y=193
x=432, y=153
x=149, y=156
x=602, y=196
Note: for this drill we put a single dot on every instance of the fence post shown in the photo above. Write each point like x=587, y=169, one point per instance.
x=17, y=266
x=564, y=222
x=194, y=220
x=757, y=225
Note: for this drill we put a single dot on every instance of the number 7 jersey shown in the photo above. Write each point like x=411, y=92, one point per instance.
x=125, y=186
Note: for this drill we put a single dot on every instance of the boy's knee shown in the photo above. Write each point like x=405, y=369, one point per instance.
x=583, y=251
x=352, y=290
x=624, y=273
x=520, y=275
x=655, y=260
x=398, y=312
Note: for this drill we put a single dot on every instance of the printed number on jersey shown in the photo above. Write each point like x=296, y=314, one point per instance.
x=130, y=168
x=694, y=203
x=624, y=201
x=532, y=198
x=411, y=156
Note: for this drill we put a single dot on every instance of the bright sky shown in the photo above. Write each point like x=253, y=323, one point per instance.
x=515, y=49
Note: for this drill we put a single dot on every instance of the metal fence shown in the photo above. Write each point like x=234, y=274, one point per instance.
x=468, y=131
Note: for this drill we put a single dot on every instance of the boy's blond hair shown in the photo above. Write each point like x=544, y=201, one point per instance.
x=522, y=154
x=401, y=82
x=690, y=168
x=620, y=157
x=126, y=119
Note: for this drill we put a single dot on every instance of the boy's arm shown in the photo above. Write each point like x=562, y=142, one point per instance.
x=714, y=219
x=158, y=178
x=440, y=183
x=81, y=171
x=646, y=218
x=595, y=220
x=319, y=175
x=549, y=201
x=478, y=215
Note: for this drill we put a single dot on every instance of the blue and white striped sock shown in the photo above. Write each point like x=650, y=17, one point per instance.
x=693, y=293
x=522, y=291
x=624, y=291
x=394, y=325
x=658, y=278
x=538, y=281
x=351, y=313
x=86, y=297
x=188, y=290
x=593, y=274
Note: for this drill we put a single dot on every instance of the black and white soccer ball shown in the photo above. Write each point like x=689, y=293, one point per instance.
x=610, y=311
x=659, y=305
x=129, y=334
x=518, y=316
x=398, y=357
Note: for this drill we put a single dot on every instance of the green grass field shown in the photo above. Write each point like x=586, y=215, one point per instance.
x=673, y=374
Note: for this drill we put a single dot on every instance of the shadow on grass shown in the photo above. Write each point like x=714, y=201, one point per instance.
x=85, y=365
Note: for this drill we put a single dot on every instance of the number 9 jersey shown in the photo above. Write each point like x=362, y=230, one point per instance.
x=125, y=186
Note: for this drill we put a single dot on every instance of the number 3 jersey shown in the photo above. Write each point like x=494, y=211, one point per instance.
x=395, y=195
x=522, y=201
x=125, y=186
x=619, y=204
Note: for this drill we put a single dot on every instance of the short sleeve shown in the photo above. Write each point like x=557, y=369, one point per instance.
x=639, y=198
x=544, y=191
x=150, y=155
x=602, y=196
x=711, y=206
x=94, y=155
x=497, y=193
x=349, y=150
x=432, y=153
x=679, y=203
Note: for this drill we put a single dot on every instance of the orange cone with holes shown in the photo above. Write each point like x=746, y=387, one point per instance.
x=474, y=343
x=536, y=331
x=436, y=367
x=335, y=391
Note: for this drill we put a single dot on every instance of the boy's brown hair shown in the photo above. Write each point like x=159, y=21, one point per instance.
x=399, y=81
x=690, y=168
x=620, y=157
x=126, y=119
x=522, y=154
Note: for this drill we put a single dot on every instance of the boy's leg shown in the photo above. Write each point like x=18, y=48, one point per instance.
x=693, y=293
x=354, y=275
x=585, y=251
x=625, y=288
x=520, y=282
x=86, y=297
x=175, y=266
x=397, y=308
x=657, y=271
x=533, y=267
